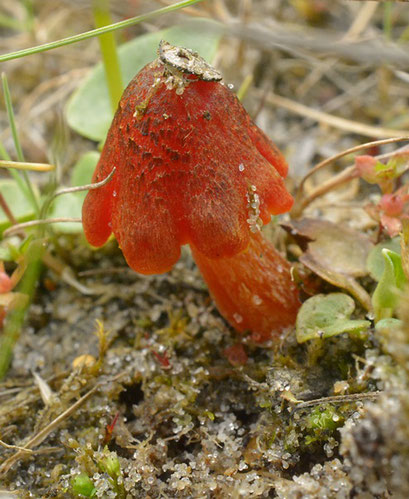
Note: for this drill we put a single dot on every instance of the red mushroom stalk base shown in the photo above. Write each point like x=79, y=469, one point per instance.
x=192, y=168
x=253, y=289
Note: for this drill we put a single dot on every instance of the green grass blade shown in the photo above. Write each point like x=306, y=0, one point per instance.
x=10, y=113
x=97, y=32
x=109, y=52
x=12, y=121
x=387, y=20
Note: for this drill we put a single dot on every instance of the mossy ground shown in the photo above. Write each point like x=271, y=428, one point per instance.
x=191, y=424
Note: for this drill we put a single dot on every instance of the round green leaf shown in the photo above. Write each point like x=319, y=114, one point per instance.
x=390, y=323
x=19, y=205
x=323, y=316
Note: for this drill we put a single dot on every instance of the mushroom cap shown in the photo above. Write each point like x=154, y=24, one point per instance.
x=191, y=167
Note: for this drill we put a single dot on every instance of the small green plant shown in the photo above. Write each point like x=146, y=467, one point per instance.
x=108, y=477
x=82, y=485
x=109, y=464
x=385, y=298
x=321, y=423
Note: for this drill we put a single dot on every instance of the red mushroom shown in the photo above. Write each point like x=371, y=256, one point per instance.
x=192, y=168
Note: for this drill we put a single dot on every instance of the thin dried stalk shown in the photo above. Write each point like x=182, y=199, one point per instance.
x=43, y=434
x=335, y=121
x=23, y=165
x=14, y=447
x=86, y=187
x=345, y=176
x=34, y=223
x=337, y=399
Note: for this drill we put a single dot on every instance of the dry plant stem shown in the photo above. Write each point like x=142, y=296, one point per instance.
x=345, y=176
x=361, y=21
x=290, y=38
x=334, y=182
x=14, y=447
x=358, y=25
x=54, y=264
x=337, y=399
x=65, y=273
x=43, y=434
x=351, y=150
x=335, y=121
x=34, y=223
x=21, y=165
x=47, y=94
x=86, y=187
x=6, y=209
x=220, y=11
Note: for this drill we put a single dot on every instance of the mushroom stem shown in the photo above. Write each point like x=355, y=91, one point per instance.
x=253, y=290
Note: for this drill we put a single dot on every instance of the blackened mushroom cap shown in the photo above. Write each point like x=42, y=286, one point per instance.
x=191, y=168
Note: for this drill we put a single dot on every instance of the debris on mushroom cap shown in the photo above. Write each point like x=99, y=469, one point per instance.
x=177, y=141
x=187, y=61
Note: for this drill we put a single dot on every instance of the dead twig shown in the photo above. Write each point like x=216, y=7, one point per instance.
x=14, y=447
x=337, y=399
x=34, y=223
x=86, y=187
x=371, y=51
x=341, y=178
x=334, y=121
x=21, y=165
x=361, y=21
x=43, y=434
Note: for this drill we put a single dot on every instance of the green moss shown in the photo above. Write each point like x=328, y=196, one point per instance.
x=321, y=423
x=82, y=485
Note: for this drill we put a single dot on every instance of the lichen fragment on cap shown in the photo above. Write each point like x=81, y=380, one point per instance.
x=187, y=61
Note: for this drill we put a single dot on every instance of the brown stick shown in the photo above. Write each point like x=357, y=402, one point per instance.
x=345, y=176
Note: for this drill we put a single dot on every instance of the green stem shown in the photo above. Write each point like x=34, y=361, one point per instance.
x=98, y=31
x=107, y=45
x=15, y=317
x=387, y=20
x=9, y=106
x=29, y=20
